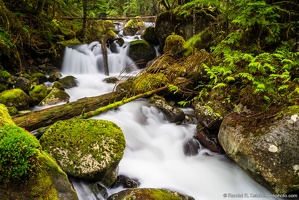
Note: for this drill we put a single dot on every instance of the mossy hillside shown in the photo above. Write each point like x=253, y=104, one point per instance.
x=4, y=116
x=149, y=194
x=88, y=149
x=146, y=82
x=18, y=154
x=15, y=97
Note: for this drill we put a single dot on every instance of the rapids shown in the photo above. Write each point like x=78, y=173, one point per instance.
x=154, y=147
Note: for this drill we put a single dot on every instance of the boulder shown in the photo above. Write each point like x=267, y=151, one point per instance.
x=141, y=52
x=133, y=26
x=15, y=97
x=150, y=36
x=86, y=149
x=265, y=145
x=68, y=82
x=55, y=96
x=38, y=93
x=4, y=116
x=172, y=113
x=23, y=83
x=175, y=46
x=39, y=77
x=149, y=194
x=54, y=76
x=146, y=82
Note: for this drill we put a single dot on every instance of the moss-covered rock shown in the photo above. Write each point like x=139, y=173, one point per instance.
x=40, y=77
x=54, y=76
x=265, y=145
x=4, y=76
x=141, y=52
x=86, y=149
x=50, y=182
x=38, y=93
x=175, y=46
x=149, y=194
x=150, y=36
x=147, y=82
x=15, y=97
x=133, y=26
x=68, y=82
x=55, y=96
x=4, y=116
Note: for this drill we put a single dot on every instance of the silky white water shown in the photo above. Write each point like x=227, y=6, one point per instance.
x=154, y=147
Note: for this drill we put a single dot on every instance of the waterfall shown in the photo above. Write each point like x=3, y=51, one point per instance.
x=154, y=147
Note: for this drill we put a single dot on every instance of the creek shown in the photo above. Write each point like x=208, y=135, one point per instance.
x=154, y=152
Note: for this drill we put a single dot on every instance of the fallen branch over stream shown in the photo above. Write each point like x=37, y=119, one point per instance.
x=82, y=108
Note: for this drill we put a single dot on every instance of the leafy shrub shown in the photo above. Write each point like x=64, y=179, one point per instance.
x=18, y=153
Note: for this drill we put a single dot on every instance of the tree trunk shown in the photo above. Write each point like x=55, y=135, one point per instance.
x=84, y=24
x=37, y=119
x=105, y=56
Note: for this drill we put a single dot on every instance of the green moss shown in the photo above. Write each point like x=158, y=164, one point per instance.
x=18, y=153
x=4, y=116
x=15, y=97
x=71, y=142
x=175, y=46
x=38, y=93
x=5, y=74
x=147, y=82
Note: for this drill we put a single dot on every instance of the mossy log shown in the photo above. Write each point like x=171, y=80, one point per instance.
x=82, y=108
x=42, y=118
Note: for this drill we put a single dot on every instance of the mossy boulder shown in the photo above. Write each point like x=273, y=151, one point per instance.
x=149, y=194
x=147, y=82
x=54, y=76
x=55, y=96
x=15, y=97
x=38, y=78
x=4, y=116
x=68, y=82
x=175, y=46
x=86, y=149
x=133, y=26
x=141, y=52
x=265, y=145
x=38, y=93
x=4, y=76
x=172, y=113
x=150, y=36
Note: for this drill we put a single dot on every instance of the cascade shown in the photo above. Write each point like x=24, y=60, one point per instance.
x=154, y=147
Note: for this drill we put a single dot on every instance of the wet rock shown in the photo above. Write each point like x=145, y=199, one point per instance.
x=15, y=97
x=266, y=146
x=86, y=149
x=38, y=93
x=110, y=80
x=172, y=113
x=149, y=194
x=68, y=82
x=191, y=147
x=55, y=96
x=126, y=182
x=150, y=36
x=147, y=82
x=22, y=83
x=141, y=52
x=54, y=76
x=209, y=141
x=40, y=77
x=132, y=27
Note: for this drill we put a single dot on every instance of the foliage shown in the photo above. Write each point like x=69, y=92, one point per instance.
x=18, y=153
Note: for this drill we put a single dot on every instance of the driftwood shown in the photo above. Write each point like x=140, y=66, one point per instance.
x=82, y=108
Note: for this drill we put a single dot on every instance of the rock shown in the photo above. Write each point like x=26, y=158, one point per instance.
x=266, y=146
x=54, y=76
x=40, y=77
x=110, y=80
x=38, y=93
x=150, y=36
x=55, y=96
x=175, y=46
x=58, y=85
x=191, y=147
x=4, y=116
x=22, y=83
x=85, y=149
x=68, y=82
x=125, y=182
x=4, y=76
x=209, y=141
x=132, y=27
x=141, y=52
x=149, y=194
x=172, y=113
x=146, y=82
x=15, y=97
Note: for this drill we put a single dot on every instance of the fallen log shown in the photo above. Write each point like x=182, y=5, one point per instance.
x=42, y=118
x=82, y=108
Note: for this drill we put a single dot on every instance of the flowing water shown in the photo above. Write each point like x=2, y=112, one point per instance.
x=154, y=147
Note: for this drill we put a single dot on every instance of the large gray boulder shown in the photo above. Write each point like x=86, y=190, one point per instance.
x=86, y=149
x=265, y=145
